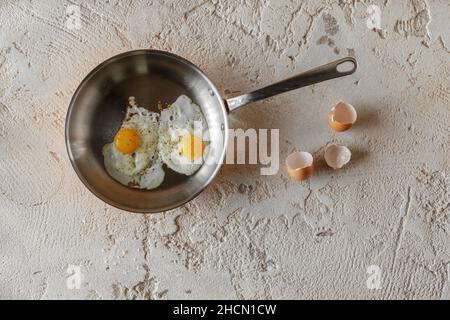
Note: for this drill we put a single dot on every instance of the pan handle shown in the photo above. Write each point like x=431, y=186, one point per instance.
x=322, y=73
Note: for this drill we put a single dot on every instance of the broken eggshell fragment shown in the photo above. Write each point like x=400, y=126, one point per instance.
x=336, y=155
x=342, y=116
x=300, y=165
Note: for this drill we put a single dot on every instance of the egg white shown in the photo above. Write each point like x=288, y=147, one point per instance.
x=142, y=169
x=182, y=117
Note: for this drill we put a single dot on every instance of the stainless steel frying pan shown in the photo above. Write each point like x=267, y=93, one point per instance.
x=98, y=107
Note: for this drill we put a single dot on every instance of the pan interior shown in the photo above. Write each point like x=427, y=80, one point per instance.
x=97, y=111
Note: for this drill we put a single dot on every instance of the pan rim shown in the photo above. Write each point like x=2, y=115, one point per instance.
x=70, y=109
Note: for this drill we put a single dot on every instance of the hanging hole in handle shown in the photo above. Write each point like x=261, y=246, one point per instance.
x=347, y=66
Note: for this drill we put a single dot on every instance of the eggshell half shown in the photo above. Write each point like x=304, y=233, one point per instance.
x=337, y=156
x=300, y=165
x=342, y=116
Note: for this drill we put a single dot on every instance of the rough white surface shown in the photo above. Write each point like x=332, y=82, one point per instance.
x=247, y=236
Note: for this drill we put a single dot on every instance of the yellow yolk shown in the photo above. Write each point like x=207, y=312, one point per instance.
x=192, y=147
x=127, y=140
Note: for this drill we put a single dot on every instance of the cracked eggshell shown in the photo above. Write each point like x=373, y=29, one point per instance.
x=342, y=116
x=300, y=165
x=336, y=156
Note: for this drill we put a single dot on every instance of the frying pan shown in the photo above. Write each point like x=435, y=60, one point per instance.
x=97, y=109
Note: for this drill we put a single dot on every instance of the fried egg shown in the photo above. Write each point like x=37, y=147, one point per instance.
x=132, y=158
x=183, y=140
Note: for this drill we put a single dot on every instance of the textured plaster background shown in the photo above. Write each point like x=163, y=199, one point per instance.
x=247, y=236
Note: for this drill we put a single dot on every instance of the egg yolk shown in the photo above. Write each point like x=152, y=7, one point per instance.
x=192, y=146
x=127, y=140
